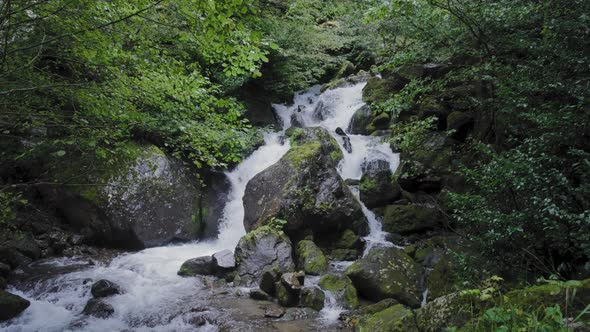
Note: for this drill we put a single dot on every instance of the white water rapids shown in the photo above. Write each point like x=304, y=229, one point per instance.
x=156, y=298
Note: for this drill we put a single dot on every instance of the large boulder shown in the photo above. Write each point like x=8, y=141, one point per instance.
x=259, y=251
x=453, y=309
x=197, y=266
x=143, y=198
x=377, y=187
x=312, y=297
x=386, y=273
x=98, y=308
x=304, y=189
x=407, y=219
x=393, y=319
x=11, y=305
x=361, y=119
x=379, y=90
x=342, y=288
x=310, y=258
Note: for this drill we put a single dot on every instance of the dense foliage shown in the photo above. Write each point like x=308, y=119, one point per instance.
x=529, y=158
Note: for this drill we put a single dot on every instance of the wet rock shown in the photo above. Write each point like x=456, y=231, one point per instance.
x=197, y=266
x=274, y=312
x=104, y=288
x=3, y=283
x=259, y=295
x=380, y=122
x=261, y=250
x=461, y=124
x=296, y=120
x=312, y=297
x=386, y=273
x=346, y=144
x=340, y=132
x=379, y=90
x=11, y=305
x=9, y=255
x=407, y=219
x=393, y=319
x=450, y=310
x=298, y=314
x=310, y=258
x=27, y=246
x=224, y=263
x=267, y=281
x=304, y=189
x=293, y=281
x=286, y=297
x=343, y=289
x=377, y=187
x=361, y=119
x=352, y=182
x=4, y=270
x=98, y=308
x=321, y=112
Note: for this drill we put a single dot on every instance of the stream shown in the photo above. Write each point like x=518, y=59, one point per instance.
x=155, y=297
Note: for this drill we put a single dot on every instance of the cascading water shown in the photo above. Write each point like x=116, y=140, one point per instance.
x=156, y=298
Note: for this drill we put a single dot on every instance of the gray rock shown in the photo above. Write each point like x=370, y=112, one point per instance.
x=98, y=308
x=11, y=305
x=197, y=266
x=360, y=121
x=294, y=281
x=259, y=251
x=224, y=260
x=259, y=295
x=274, y=312
x=304, y=189
x=267, y=282
x=377, y=187
x=104, y=288
x=312, y=297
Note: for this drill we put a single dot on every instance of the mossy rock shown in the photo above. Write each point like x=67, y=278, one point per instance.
x=553, y=293
x=454, y=309
x=361, y=119
x=11, y=305
x=310, y=258
x=312, y=297
x=386, y=273
x=348, y=240
x=379, y=90
x=407, y=219
x=393, y=319
x=380, y=122
x=343, y=288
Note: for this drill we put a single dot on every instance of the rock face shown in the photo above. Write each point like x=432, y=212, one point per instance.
x=104, y=288
x=148, y=199
x=310, y=258
x=386, y=273
x=98, y=309
x=11, y=305
x=304, y=189
x=197, y=266
x=259, y=251
x=407, y=219
x=377, y=187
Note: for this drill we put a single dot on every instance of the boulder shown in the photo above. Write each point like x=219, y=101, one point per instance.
x=267, y=281
x=104, y=288
x=259, y=295
x=274, y=311
x=361, y=119
x=342, y=288
x=11, y=256
x=408, y=219
x=293, y=281
x=393, y=319
x=380, y=122
x=11, y=305
x=261, y=250
x=377, y=187
x=379, y=90
x=386, y=273
x=304, y=189
x=98, y=308
x=312, y=297
x=461, y=124
x=310, y=258
x=286, y=297
x=224, y=263
x=197, y=266
x=454, y=309
x=145, y=199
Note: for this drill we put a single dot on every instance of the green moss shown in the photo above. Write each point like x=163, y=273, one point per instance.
x=348, y=240
x=342, y=286
x=367, y=184
x=301, y=153
x=310, y=258
x=336, y=155
x=393, y=319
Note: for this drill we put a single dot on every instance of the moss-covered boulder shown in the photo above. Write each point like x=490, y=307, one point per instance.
x=261, y=250
x=342, y=288
x=304, y=189
x=454, y=309
x=377, y=187
x=386, y=273
x=142, y=198
x=312, y=297
x=361, y=119
x=310, y=258
x=577, y=297
x=393, y=319
x=379, y=90
x=379, y=122
x=11, y=305
x=407, y=219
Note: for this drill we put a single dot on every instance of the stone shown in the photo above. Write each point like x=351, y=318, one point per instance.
x=450, y=310
x=377, y=187
x=310, y=258
x=4, y=270
x=312, y=297
x=393, y=319
x=261, y=250
x=10, y=256
x=342, y=288
x=104, y=288
x=386, y=273
x=197, y=266
x=304, y=189
x=286, y=297
x=408, y=219
x=259, y=295
x=293, y=281
x=361, y=119
x=267, y=281
x=274, y=312
x=379, y=90
x=11, y=305
x=98, y=308
x=224, y=260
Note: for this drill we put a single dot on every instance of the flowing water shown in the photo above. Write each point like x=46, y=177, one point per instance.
x=156, y=298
